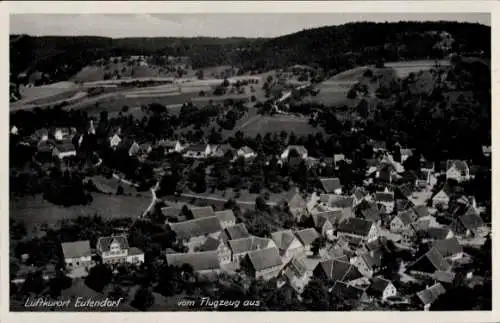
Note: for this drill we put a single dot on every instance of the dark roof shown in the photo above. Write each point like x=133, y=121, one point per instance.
x=444, y=276
x=283, y=239
x=301, y=150
x=421, y=210
x=307, y=236
x=437, y=233
x=197, y=148
x=334, y=216
x=378, y=285
x=341, y=201
x=225, y=215
x=339, y=270
x=196, y=227
x=369, y=211
x=210, y=244
x=359, y=193
x=295, y=268
x=104, y=243
x=76, y=249
x=431, y=294
x=373, y=259
x=330, y=184
x=265, y=258
x=471, y=220
x=406, y=189
x=202, y=212
x=356, y=226
x=384, y=197
x=294, y=199
x=65, y=146
x=248, y=244
x=207, y=260
x=237, y=231
x=135, y=251
x=406, y=217
x=430, y=262
x=448, y=247
x=347, y=291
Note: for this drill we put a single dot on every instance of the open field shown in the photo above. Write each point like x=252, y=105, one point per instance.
x=278, y=123
x=35, y=211
x=29, y=94
x=403, y=69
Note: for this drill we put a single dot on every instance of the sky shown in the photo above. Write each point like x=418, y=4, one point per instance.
x=210, y=25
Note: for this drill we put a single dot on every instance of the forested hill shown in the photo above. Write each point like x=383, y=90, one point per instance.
x=333, y=47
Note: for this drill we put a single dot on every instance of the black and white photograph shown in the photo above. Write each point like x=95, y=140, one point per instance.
x=246, y=162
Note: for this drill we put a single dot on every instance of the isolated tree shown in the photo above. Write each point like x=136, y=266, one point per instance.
x=317, y=244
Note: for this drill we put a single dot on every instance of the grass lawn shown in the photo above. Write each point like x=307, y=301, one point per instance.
x=35, y=211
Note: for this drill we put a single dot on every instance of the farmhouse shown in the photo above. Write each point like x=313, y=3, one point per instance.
x=368, y=263
x=457, y=170
x=226, y=218
x=296, y=203
x=326, y=222
x=428, y=264
x=430, y=294
x=202, y=212
x=64, y=150
x=115, y=249
x=385, y=198
x=223, y=251
x=246, y=152
x=287, y=243
x=449, y=248
x=240, y=247
x=307, y=237
x=199, y=151
x=297, y=274
x=358, y=228
x=77, y=255
x=236, y=231
x=442, y=198
x=358, y=195
x=195, y=232
x=381, y=288
x=338, y=270
x=300, y=150
x=402, y=221
x=331, y=185
x=470, y=224
x=171, y=146
x=264, y=263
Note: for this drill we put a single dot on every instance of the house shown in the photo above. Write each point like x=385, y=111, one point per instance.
x=134, y=149
x=470, y=224
x=325, y=222
x=64, y=150
x=241, y=247
x=198, y=151
x=402, y=221
x=368, y=263
x=296, y=204
x=115, y=249
x=171, y=146
x=337, y=158
x=300, y=150
x=222, y=150
x=356, y=295
x=338, y=270
x=421, y=211
x=331, y=185
x=449, y=248
x=358, y=228
x=457, y=170
x=114, y=141
x=14, y=130
x=236, y=231
x=287, y=243
x=204, y=262
x=423, y=179
x=369, y=211
x=358, y=195
x=436, y=233
x=77, y=255
x=223, y=251
x=385, y=198
x=296, y=274
x=445, y=277
x=195, y=232
x=307, y=237
x=405, y=154
x=60, y=134
x=442, y=197
x=381, y=288
x=246, y=152
x=226, y=218
x=428, y=264
x=486, y=151
x=264, y=263
x=202, y=212
x=430, y=294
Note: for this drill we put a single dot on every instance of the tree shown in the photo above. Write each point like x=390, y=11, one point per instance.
x=119, y=190
x=317, y=244
x=260, y=204
x=315, y=296
x=99, y=277
x=143, y=299
x=200, y=74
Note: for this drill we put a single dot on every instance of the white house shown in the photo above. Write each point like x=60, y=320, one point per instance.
x=457, y=170
x=246, y=152
x=77, y=255
x=442, y=197
x=358, y=228
x=199, y=151
x=64, y=150
x=402, y=221
x=385, y=198
x=114, y=141
x=301, y=151
x=115, y=249
x=171, y=146
x=382, y=288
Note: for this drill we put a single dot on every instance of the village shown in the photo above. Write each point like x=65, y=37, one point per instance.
x=367, y=243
